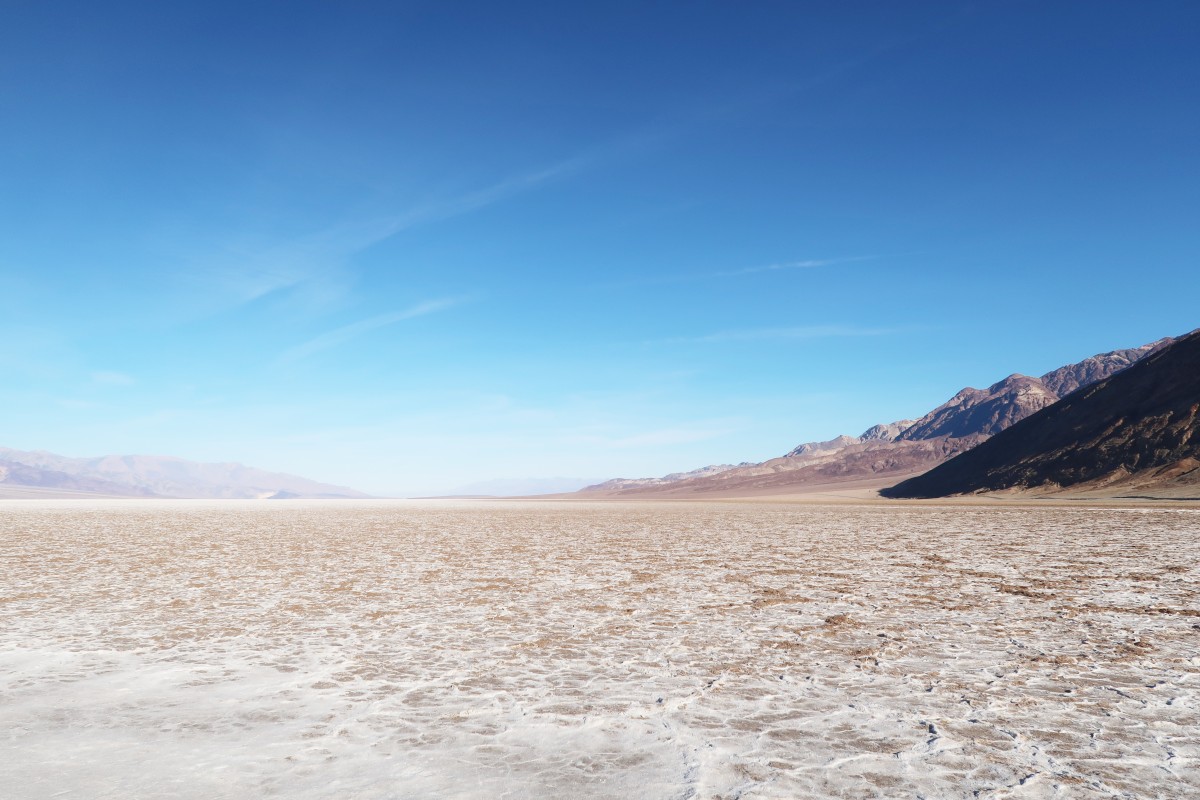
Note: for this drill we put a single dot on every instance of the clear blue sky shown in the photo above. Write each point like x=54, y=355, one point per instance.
x=408, y=246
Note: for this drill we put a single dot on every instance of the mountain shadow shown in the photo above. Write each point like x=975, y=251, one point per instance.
x=1137, y=428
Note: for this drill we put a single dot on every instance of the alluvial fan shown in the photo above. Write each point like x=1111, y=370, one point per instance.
x=470, y=649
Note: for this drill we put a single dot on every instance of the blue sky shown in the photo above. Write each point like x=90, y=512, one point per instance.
x=412, y=246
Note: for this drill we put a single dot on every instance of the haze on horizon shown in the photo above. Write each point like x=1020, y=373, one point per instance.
x=408, y=249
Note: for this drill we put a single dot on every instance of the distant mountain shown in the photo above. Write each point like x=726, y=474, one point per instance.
x=155, y=476
x=854, y=462
x=886, y=432
x=1138, y=429
x=622, y=484
x=15, y=474
x=810, y=449
x=519, y=487
x=897, y=449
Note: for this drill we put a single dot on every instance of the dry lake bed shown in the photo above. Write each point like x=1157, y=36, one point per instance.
x=584, y=650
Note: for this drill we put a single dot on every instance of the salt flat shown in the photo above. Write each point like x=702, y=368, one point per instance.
x=517, y=649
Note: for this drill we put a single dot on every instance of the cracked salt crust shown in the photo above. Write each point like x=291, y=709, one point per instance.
x=623, y=650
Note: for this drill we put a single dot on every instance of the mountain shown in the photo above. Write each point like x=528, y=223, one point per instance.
x=983, y=411
x=14, y=474
x=898, y=449
x=155, y=476
x=812, y=448
x=622, y=484
x=818, y=458
x=1065, y=380
x=1138, y=430
x=886, y=432
x=856, y=462
x=989, y=411
x=518, y=487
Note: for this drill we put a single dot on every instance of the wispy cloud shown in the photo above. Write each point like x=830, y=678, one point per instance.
x=339, y=336
x=781, y=266
x=437, y=209
x=763, y=334
x=318, y=263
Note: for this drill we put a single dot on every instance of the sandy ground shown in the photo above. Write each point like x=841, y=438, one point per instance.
x=657, y=650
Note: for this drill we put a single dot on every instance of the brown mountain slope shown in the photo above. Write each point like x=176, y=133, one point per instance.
x=1141, y=423
x=983, y=411
x=1072, y=377
x=860, y=461
x=991, y=410
x=891, y=451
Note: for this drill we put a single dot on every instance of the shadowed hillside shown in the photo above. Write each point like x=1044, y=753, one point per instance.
x=893, y=451
x=1137, y=429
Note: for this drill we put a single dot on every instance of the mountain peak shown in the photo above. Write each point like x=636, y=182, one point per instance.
x=898, y=448
x=1137, y=428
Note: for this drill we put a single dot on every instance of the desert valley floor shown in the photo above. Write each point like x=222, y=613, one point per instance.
x=610, y=649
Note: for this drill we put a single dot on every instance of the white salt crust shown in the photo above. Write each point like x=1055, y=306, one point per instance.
x=604, y=650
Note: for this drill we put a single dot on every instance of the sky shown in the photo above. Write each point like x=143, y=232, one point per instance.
x=408, y=247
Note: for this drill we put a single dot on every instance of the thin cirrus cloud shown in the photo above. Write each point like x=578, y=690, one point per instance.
x=437, y=210
x=322, y=258
x=340, y=336
x=765, y=334
x=781, y=266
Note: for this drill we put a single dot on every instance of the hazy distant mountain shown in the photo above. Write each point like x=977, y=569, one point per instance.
x=156, y=476
x=901, y=448
x=520, y=487
x=811, y=454
x=1138, y=429
x=854, y=462
x=15, y=474
x=812, y=448
x=619, y=484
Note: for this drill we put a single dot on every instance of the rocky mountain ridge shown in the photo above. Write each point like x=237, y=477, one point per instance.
x=621, y=484
x=901, y=448
x=1138, y=429
x=983, y=411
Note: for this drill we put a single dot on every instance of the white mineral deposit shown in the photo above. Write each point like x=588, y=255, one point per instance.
x=364, y=649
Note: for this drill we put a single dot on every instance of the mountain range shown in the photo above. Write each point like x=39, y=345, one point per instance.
x=38, y=473
x=1137, y=430
x=1124, y=420
x=896, y=450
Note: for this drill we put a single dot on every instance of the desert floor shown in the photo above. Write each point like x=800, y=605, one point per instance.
x=616, y=649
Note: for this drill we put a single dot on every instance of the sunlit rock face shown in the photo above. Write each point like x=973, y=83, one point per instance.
x=1135, y=432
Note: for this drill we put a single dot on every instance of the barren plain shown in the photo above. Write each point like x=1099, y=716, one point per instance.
x=386, y=649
